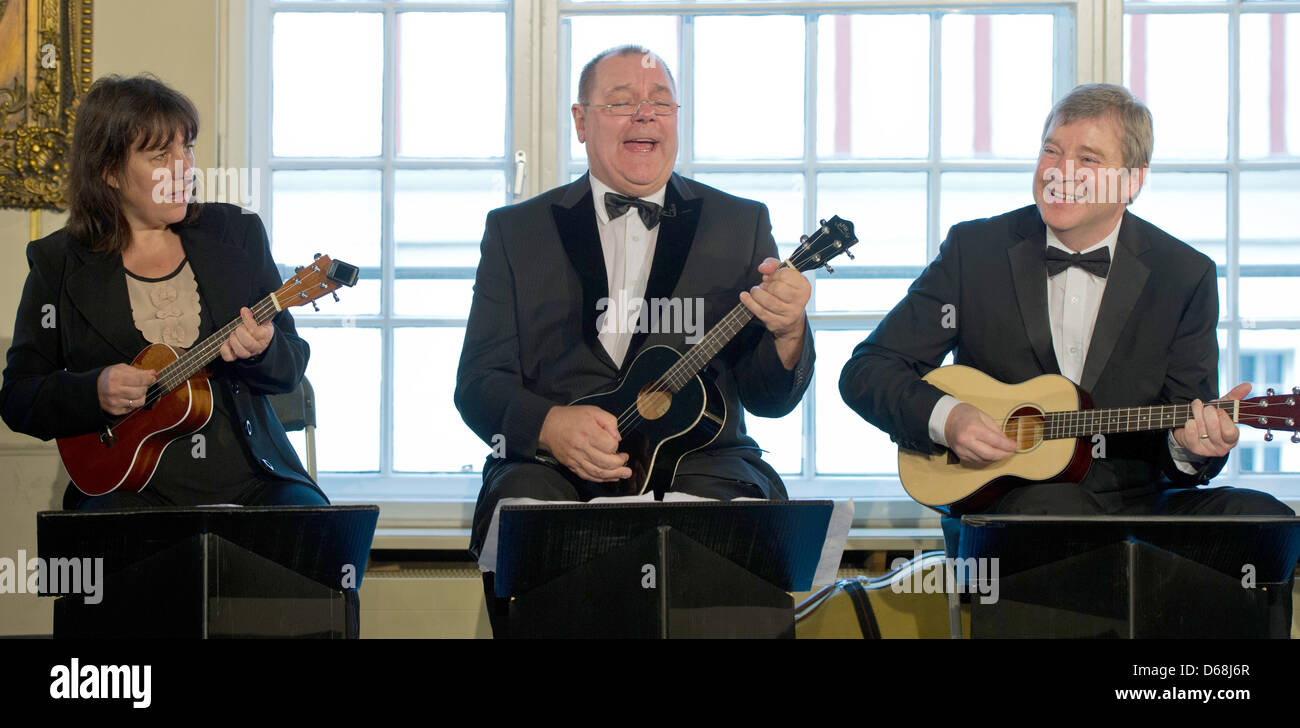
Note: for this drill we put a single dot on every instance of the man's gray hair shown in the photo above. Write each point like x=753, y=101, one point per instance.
x=587, y=78
x=1095, y=100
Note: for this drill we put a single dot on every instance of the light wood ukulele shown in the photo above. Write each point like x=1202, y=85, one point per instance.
x=1052, y=422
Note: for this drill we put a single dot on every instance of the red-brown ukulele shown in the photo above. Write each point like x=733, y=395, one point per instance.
x=125, y=453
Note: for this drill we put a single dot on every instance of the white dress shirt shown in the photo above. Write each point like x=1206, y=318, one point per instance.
x=1073, y=299
x=629, y=252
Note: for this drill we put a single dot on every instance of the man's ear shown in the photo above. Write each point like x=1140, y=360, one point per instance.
x=1133, y=185
x=580, y=122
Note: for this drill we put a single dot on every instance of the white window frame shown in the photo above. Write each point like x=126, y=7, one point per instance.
x=436, y=508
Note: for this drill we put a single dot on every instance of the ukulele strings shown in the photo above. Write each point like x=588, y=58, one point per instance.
x=1055, y=424
x=680, y=373
x=177, y=372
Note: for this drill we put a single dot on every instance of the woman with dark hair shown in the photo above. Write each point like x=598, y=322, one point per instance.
x=140, y=262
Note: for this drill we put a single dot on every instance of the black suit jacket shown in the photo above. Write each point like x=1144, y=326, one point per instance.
x=531, y=342
x=50, y=381
x=1154, y=341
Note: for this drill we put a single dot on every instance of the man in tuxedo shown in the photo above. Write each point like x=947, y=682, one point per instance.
x=550, y=320
x=1073, y=285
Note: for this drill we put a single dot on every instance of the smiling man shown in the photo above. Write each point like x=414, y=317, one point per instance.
x=628, y=230
x=1073, y=285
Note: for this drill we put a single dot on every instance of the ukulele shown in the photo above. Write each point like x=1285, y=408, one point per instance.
x=666, y=407
x=125, y=453
x=1052, y=421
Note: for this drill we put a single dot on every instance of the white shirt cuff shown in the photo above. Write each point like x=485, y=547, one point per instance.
x=1185, y=460
x=939, y=417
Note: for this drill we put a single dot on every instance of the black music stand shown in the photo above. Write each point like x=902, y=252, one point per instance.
x=1154, y=576
x=676, y=569
x=223, y=571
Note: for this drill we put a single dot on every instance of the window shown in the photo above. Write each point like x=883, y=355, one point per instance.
x=378, y=152
x=904, y=122
x=1225, y=179
x=388, y=147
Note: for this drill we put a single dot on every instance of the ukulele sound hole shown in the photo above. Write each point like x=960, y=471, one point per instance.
x=653, y=404
x=1025, y=426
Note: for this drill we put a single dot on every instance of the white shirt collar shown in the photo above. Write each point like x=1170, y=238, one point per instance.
x=598, y=190
x=1109, y=241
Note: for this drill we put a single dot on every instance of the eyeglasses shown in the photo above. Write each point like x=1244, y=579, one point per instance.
x=658, y=108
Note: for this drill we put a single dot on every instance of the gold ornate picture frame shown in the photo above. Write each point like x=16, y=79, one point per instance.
x=45, y=66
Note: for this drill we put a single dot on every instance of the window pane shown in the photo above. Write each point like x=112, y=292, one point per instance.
x=782, y=439
x=1187, y=92
x=873, y=86
x=1191, y=207
x=591, y=34
x=434, y=297
x=1271, y=355
x=441, y=113
x=438, y=214
x=359, y=300
x=973, y=195
x=428, y=434
x=327, y=103
x=345, y=372
x=997, y=84
x=1270, y=244
x=749, y=87
x=888, y=211
x=846, y=444
x=865, y=292
x=328, y=211
x=782, y=193
x=1270, y=85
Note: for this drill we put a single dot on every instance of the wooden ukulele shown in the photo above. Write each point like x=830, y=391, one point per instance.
x=125, y=453
x=667, y=407
x=1052, y=422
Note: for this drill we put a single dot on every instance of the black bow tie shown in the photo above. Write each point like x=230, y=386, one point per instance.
x=616, y=205
x=1097, y=262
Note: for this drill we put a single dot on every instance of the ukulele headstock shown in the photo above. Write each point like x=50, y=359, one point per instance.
x=1272, y=412
x=815, y=250
x=310, y=282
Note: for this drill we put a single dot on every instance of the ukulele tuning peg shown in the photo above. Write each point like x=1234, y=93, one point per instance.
x=850, y=254
x=829, y=269
x=1295, y=437
x=1295, y=390
x=803, y=238
x=335, y=295
x=297, y=269
x=1268, y=435
x=822, y=223
x=1270, y=392
x=314, y=307
x=316, y=256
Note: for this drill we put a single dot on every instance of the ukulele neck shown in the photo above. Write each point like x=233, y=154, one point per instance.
x=1085, y=423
